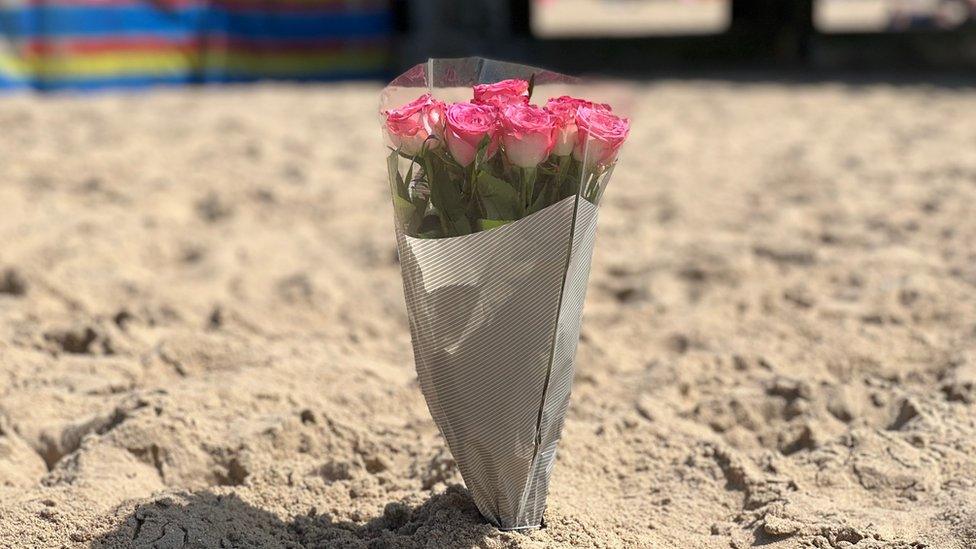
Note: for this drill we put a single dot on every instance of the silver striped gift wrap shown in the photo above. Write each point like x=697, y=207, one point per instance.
x=495, y=319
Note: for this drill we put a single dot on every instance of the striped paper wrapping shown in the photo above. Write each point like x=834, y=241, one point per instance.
x=495, y=319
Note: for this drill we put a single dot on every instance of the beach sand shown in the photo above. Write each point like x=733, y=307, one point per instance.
x=203, y=340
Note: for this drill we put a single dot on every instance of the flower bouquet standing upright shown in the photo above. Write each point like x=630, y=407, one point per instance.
x=495, y=200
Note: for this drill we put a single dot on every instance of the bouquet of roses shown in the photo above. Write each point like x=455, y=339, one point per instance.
x=495, y=202
x=479, y=164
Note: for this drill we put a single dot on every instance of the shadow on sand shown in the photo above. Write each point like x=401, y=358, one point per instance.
x=203, y=519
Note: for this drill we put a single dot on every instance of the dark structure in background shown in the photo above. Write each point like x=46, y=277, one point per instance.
x=762, y=34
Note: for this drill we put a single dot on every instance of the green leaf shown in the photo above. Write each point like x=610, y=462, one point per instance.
x=409, y=177
x=571, y=180
x=531, y=85
x=479, y=157
x=488, y=224
x=403, y=205
x=499, y=199
x=441, y=154
x=397, y=185
x=406, y=214
x=433, y=233
x=542, y=200
x=445, y=195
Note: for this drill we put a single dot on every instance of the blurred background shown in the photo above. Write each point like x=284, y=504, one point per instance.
x=85, y=44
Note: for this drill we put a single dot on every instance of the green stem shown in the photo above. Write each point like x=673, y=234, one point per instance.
x=528, y=175
x=473, y=199
x=561, y=173
x=522, y=185
x=468, y=183
x=428, y=167
x=543, y=192
x=588, y=187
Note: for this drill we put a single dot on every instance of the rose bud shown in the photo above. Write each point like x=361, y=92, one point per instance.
x=501, y=94
x=601, y=133
x=564, y=110
x=527, y=133
x=410, y=125
x=565, y=134
x=466, y=126
x=435, y=118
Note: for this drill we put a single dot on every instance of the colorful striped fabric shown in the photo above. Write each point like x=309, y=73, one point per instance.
x=88, y=44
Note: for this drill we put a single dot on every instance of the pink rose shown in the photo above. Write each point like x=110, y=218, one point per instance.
x=564, y=110
x=567, y=106
x=467, y=125
x=501, y=94
x=527, y=133
x=601, y=133
x=409, y=126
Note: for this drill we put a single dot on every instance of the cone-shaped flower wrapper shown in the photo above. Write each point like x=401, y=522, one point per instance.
x=496, y=212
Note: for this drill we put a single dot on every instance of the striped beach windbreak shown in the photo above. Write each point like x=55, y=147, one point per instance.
x=495, y=319
x=87, y=44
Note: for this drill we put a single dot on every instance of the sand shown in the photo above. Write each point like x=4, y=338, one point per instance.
x=203, y=340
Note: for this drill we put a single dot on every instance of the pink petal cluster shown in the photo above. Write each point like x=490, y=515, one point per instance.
x=467, y=125
x=601, y=133
x=501, y=111
x=528, y=134
x=410, y=125
x=564, y=109
x=501, y=94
